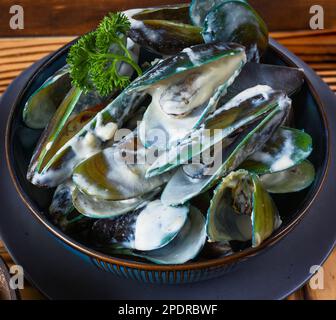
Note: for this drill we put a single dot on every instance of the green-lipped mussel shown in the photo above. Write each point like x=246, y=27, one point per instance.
x=181, y=101
x=228, y=153
x=43, y=103
x=242, y=210
x=159, y=233
x=237, y=21
x=118, y=172
x=165, y=30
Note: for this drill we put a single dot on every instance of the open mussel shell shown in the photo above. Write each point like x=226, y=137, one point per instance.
x=88, y=139
x=293, y=179
x=165, y=30
x=189, y=86
x=237, y=21
x=191, y=180
x=241, y=210
x=199, y=9
x=186, y=60
x=50, y=134
x=287, y=148
x=76, y=110
x=149, y=227
x=100, y=208
x=280, y=78
x=186, y=245
x=240, y=111
x=118, y=172
x=42, y=104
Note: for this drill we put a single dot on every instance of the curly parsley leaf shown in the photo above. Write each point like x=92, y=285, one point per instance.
x=96, y=58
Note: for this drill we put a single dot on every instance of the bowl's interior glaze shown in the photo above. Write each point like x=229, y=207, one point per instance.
x=307, y=116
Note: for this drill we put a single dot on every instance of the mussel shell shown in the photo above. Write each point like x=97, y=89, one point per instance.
x=199, y=9
x=61, y=203
x=149, y=227
x=185, y=60
x=51, y=133
x=236, y=21
x=181, y=187
x=243, y=109
x=293, y=179
x=241, y=210
x=90, y=139
x=280, y=78
x=118, y=172
x=165, y=30
x=100, y=208
x=186, y=245
x=287, y=148
x=163, y=128
x=43, y=103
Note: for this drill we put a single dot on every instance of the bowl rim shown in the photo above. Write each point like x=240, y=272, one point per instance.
x=291, y=60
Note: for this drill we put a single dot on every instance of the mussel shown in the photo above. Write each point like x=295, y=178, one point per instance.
x=192, y=179
x=237, y=21
x=241, y=210
x=289, y=80
x=118, y=172
x=294, y=179
x=43, y=103
x=149, y=227
x=199, y=9
x=93, y=207
x=286, y=148
x=165, y=30
x=77, y=122
x=74, y=112
x=155, y=232
x=243, y=109
x=184, y=89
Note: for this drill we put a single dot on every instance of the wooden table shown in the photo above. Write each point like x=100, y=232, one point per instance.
x=317, y=48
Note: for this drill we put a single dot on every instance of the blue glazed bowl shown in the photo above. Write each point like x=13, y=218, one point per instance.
x=309, y=114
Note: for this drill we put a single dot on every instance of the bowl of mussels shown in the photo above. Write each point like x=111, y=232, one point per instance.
x=170, y=143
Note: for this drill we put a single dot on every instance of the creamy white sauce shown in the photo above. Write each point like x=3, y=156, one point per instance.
x=194, y=57
x=281, y=160
x=158, y=224
x=138, y=24
x=245, y=95
x=106, y=131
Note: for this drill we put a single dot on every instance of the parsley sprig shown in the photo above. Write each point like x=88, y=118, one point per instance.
x=95, y=59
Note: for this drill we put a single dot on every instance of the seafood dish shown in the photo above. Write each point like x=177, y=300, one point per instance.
x=165, y=137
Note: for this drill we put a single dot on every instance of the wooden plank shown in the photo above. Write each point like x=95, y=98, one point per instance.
x=288, y=35
x=63, y=17
x=329, y=290
x=330, y=80
x=297, y=295
x=323, y=66
x=327, y=73
x=308, y=49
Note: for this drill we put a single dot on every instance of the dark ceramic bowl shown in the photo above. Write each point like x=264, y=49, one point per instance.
x=309, y=114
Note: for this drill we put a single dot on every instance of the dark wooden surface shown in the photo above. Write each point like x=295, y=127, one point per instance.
x=64, y=17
